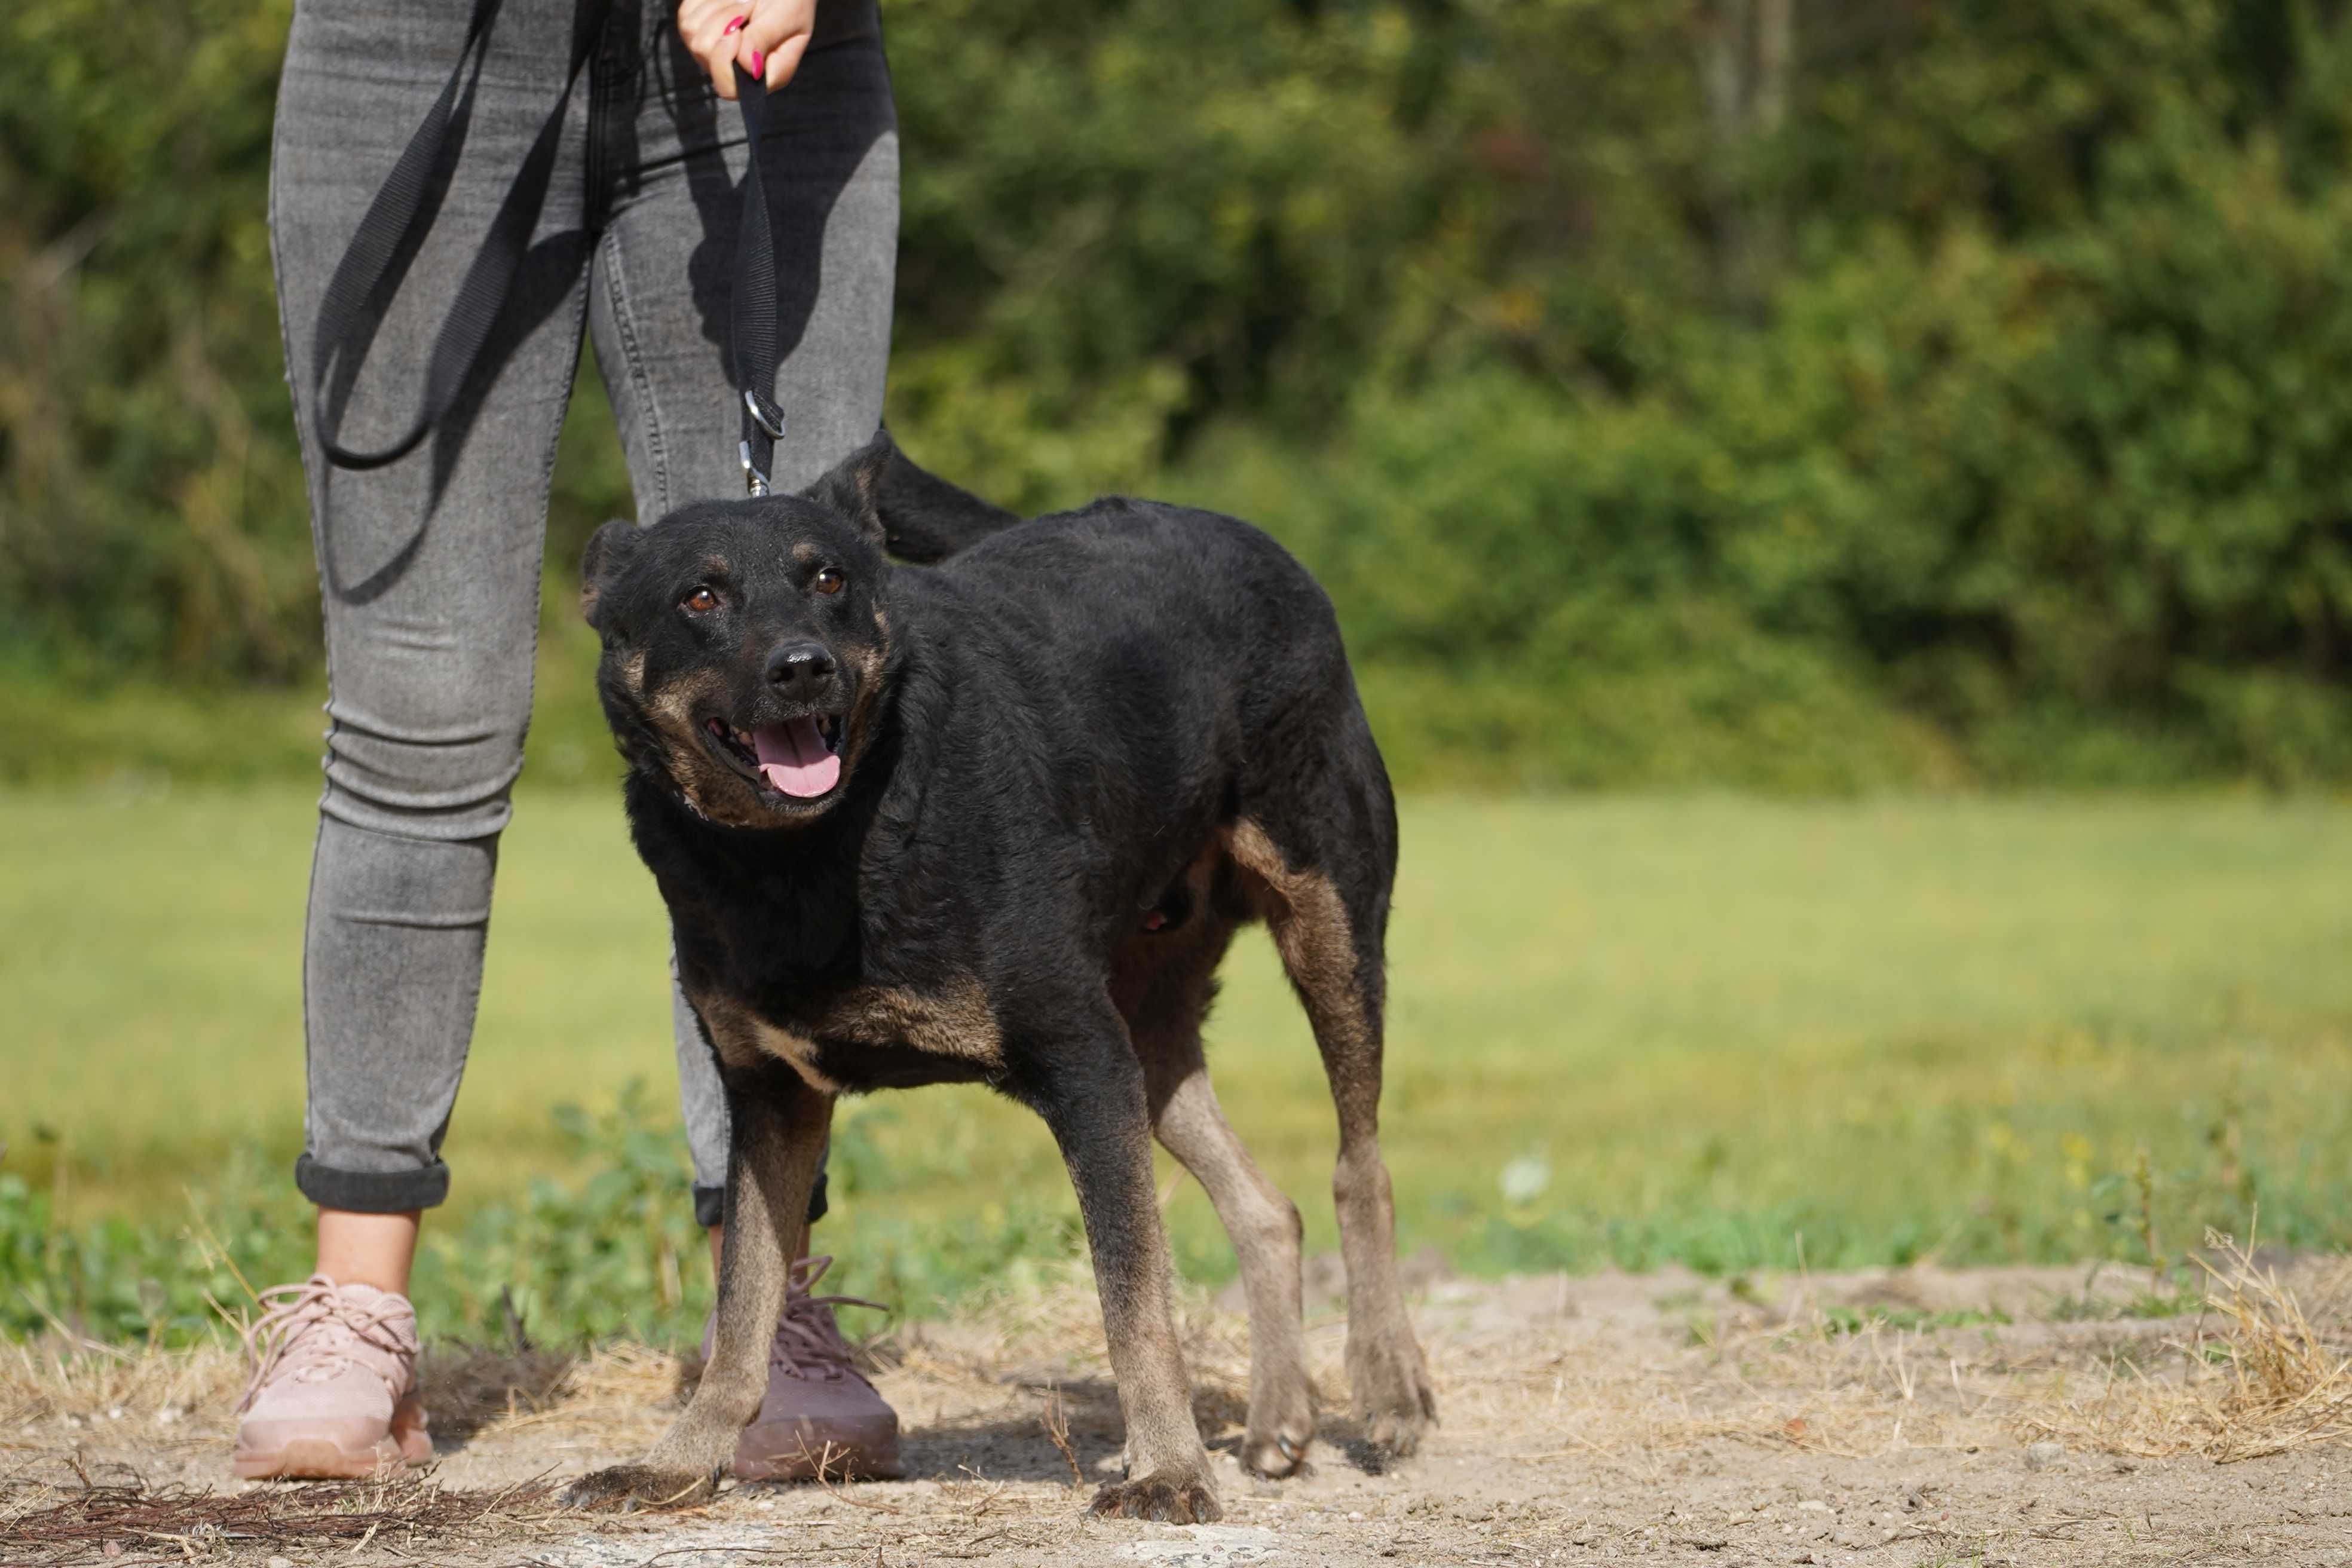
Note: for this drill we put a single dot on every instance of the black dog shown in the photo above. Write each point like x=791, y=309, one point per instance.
x=998, y=820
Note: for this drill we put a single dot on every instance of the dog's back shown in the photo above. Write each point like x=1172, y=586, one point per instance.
x=1175, y=670
x=926, y=520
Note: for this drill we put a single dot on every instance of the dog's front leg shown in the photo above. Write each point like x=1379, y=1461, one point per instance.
x=1093, y=1099
x=778, y=1138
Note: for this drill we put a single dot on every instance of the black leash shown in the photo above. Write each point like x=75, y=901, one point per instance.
x=752, y=329
x=351, y=313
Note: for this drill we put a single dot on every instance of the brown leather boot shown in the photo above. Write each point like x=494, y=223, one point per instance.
x=820, y=1418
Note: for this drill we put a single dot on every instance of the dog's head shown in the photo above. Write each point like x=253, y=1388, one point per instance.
x=745, y=644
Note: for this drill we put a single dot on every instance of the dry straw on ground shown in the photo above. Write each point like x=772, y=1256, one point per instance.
x=1544, y=1381
x=115, y=1514
x=2265, y=1370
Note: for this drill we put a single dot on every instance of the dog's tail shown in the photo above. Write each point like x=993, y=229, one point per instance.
x=926, y=519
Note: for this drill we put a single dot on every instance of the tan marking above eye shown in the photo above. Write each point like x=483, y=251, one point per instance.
x=830, y=580
x=699, y=600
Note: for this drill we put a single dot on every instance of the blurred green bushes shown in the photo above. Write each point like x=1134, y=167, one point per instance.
x=1810, y=394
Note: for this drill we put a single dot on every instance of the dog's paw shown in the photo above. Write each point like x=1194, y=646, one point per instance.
x=1393, y=1396
x=1396, y=1434
x=627, y=1489
x=1170, y=1498
x=1280, y=1454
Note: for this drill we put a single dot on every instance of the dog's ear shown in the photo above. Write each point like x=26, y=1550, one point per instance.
x=854, y=487
x=609, y=549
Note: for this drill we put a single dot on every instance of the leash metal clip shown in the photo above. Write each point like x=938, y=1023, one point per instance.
x=758, y=408
x=755, y=483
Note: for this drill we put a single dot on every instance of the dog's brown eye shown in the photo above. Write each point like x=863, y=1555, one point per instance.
x=701, y=602
x=830, y=580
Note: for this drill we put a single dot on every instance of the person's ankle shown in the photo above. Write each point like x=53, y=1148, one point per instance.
x=370, y=1249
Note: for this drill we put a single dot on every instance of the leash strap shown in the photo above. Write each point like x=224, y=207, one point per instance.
x=752, y=328
x=352, y=311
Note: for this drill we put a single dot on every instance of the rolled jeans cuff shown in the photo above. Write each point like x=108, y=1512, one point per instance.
x=710, y=1204
x=372, y=1192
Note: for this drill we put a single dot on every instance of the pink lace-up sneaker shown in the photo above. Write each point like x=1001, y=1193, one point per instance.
x=335, y=1384
x=820, y=1413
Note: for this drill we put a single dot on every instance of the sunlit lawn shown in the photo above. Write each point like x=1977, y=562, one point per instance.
x=1699, y=1026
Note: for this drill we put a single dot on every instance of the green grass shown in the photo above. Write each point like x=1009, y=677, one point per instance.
x=1714, y=1030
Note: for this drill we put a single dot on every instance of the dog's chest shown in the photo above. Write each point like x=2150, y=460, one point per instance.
x=848, y=1038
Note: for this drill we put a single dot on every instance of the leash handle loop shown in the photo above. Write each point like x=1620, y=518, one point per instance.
x=352, y=311
x=386, y=239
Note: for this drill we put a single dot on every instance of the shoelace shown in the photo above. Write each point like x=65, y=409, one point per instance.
x=325, y=1336
x=808, y=1341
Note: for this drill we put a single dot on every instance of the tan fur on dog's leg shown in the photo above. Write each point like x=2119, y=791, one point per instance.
x=1162, y=985
x=1386, y=1371
x=1338, y=980
x=1264, y=1225
x=778, y=1127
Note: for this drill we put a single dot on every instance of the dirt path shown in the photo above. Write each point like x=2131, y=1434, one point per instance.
x=1871, y=1419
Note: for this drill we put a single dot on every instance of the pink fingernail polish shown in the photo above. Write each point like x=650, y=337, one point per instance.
x=758, y=63
x=736, y=26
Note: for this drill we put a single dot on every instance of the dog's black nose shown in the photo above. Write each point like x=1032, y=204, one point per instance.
x=798, y=669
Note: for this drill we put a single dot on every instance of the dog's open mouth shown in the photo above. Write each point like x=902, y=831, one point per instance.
x=800, y=757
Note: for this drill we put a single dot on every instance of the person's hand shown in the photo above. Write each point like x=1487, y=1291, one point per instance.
x=767, y=37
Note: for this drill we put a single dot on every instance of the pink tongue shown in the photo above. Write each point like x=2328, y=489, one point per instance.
x=794, y=759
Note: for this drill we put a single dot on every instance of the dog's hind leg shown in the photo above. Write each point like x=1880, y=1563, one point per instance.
x=777, y=1139
x=1326, y=905
x=1168, y=989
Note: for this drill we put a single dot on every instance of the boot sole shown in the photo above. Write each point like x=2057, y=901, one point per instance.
x=404, y=1445
x=784, y=1454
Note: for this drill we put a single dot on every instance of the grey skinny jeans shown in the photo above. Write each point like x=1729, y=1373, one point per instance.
x=429, y=639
